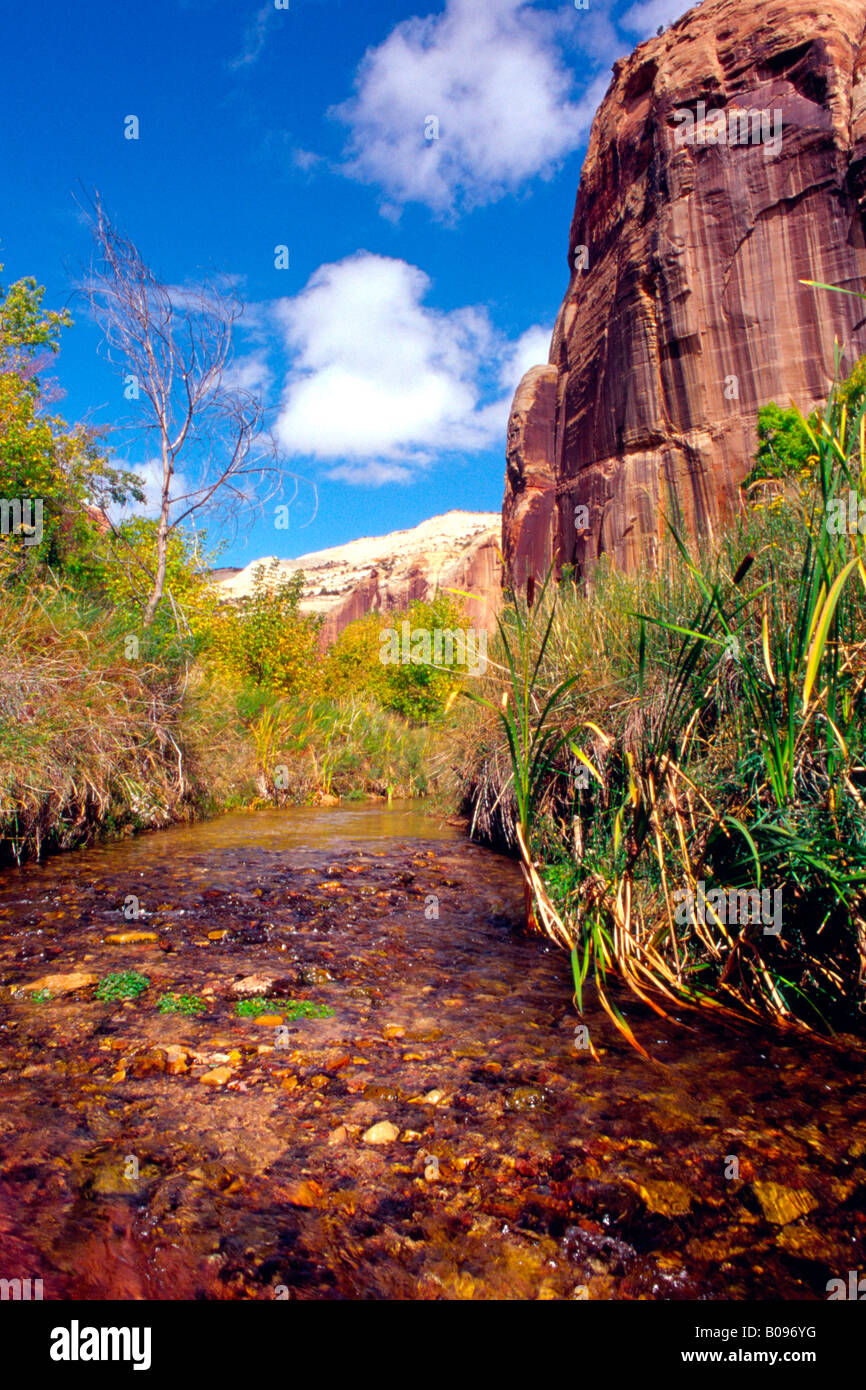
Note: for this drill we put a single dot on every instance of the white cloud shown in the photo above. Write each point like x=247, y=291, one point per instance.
x=532, y=349
x=381, y=384
x=248, y=373
x=493, y=74
x=306, y=160
x=150, y=474
x=644, y=19
x=372, y=473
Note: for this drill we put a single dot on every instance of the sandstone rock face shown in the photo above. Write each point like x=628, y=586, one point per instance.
x=530, y=481
x=456, y=551
x=685, y=312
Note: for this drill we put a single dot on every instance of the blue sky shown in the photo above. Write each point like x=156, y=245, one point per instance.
x=424, y=274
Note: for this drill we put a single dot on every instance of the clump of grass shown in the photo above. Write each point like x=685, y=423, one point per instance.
x=85, y=734
x=347, y=747
x=122, y=984
x=40, y=996
x=715, y=736
x=292, y=1009
x=181, y=1004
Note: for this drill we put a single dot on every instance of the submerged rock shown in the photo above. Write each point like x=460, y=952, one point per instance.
x=526, y=1098
x=60, y=984
x=314, y=975
x=783, y=1204
x=218, y=1077
x=382, y=1133
x=253, y=987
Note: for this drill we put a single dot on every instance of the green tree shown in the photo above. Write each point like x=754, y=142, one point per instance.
x=265, y=638
x=59, y=470
x=784, y=447
x=421, y=689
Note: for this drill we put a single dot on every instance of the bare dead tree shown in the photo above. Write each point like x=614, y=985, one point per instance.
x=174, y=347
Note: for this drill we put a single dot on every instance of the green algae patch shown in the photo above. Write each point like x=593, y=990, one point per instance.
x=290, y=1009
x=181, y=1004
x=122, y=984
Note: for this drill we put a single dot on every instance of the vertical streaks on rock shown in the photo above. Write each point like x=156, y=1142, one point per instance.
x=690, y=314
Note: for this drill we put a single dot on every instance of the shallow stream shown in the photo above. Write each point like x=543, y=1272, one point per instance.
x=441, y=1134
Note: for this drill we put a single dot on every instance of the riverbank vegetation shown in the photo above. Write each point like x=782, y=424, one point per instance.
x=708, y=749
x=113, y=719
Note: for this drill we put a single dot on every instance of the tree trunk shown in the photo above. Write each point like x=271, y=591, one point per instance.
x=159, y=579
x=161, y=536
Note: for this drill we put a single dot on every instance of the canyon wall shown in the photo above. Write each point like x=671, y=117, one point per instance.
x=685, y=310
x=457, y=551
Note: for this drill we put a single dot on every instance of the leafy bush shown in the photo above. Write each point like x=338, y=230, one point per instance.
x=786, y=441
x=264, y=639
x=420, y=690
x=784, y=447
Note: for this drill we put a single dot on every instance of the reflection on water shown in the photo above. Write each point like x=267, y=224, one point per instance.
x=438, y=1136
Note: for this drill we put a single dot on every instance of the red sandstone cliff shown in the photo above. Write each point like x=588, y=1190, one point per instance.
x=690, y=313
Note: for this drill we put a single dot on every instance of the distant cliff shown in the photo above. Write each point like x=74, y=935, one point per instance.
x=383, y=573
x=693, y=228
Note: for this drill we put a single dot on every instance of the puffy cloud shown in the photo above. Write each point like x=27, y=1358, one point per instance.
x=532, y=349
x=381, y=384
x=493, y=76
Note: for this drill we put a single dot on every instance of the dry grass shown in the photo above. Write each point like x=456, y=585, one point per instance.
x=94, y=743
x=87, y=738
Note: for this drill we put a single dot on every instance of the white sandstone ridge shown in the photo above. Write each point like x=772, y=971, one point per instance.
x=380, y=573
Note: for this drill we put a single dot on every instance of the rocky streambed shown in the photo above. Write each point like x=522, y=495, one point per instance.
x=379, y=1090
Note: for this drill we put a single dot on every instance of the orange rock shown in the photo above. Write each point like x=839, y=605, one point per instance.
x=131, y=938
x=303, y=1193
x=218, y=1077
x=60, y=984
x=338, y=1063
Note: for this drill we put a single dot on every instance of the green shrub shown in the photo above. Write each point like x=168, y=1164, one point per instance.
x=264, y=639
